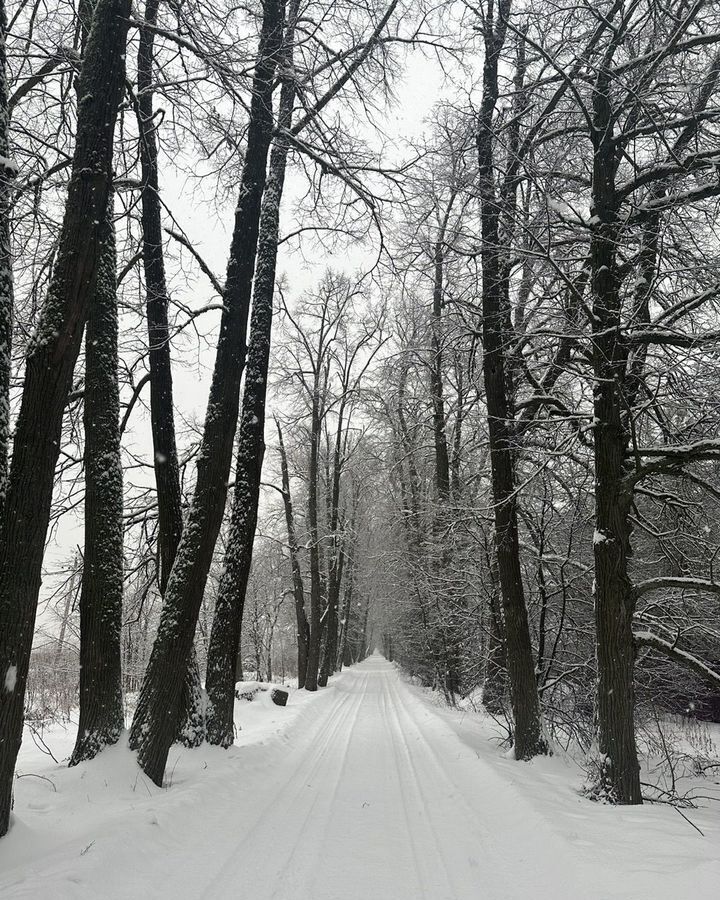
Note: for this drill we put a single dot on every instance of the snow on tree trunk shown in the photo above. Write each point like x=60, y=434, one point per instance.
x=316, y=587
x=162, y=407
x=51, y=358
x=101, y=709
x=618, y=776
x=303, y=627
x=159, y=709
x=529, y=740
x=336, y=558
x=227, y=623
x=8, y=171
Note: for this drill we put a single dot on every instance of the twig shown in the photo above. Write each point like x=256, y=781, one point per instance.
x=33, y=775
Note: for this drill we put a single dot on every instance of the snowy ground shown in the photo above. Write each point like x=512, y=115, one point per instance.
x=365, y=789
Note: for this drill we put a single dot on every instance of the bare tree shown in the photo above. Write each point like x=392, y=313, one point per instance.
x=49, y=369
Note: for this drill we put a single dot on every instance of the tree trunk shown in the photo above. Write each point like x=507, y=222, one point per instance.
x=336, y=559
x=227, y=623
x=7, y=175
x=619, y=771
x=345, y=621
x=303, y=627
x=528, y=735
x=51, y=359
x=160, y=704
x=442, y=458
x=313, y=661
x=162, y=406
x=101, y=596
x=350, y=554
x=162, y=416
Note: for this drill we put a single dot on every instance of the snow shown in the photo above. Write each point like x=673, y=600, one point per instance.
x=364, y=789
x=10, y=679
x=9, y=166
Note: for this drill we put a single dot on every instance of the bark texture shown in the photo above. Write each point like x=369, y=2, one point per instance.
x=227, y=623
x=51, y=359
x=101, y=596
x=162, y=406
x=528, y=734
x=619, y=770
x=303, y=626
x=7, y=175
x=160, y=704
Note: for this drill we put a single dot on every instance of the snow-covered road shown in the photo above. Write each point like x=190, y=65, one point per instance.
x=382, y=800
x=367, y=791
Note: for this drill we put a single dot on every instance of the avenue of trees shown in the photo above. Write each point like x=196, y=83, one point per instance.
x=450, y=393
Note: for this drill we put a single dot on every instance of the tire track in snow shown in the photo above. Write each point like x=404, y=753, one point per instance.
x=263, y=832
x=418, y=790
x=419, y=858
x=312, y=848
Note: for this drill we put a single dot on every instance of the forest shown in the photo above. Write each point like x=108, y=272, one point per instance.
x=337, y=328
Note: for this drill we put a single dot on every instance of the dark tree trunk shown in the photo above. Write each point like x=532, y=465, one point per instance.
x=350, y=553
x=162, y=413
x=442, y=457
x=336, y=559
x=456, y=482
x=346, y=616
x=619, y=775
x=528, y=734
x=225, y=634
x=303, y=627
x=162, y=407
x=160, y=704
x=316, y=591
x=51, y=359
x=7, y=175
x=101, y=596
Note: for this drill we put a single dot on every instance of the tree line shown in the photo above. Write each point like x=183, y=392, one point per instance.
x=494, y=447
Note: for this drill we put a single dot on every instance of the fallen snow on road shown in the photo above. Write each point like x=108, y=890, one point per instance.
x=364, y=789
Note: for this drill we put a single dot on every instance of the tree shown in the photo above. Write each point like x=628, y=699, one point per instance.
x=303, y=627
x=162, y=409
x=49, y=368
x=7, y=175
x=225, y=635
x=101, y=597
x=529, y=740
x=156, y=720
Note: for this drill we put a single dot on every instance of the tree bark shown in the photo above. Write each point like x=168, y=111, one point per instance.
x=159, y=706
x=162, y=406
x=303, y=627
x=619, y=770
x=316, y=586
x=227, y=623
x=51, y=359
x=7, y=175
x=442, y=457
x=529, y=740
x=101, y=596
x=337, y=555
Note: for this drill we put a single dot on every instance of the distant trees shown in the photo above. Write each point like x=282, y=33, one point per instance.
x=327, y=352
